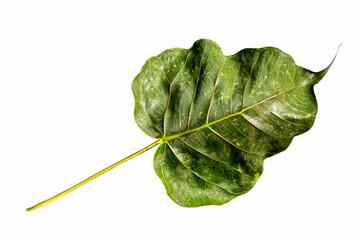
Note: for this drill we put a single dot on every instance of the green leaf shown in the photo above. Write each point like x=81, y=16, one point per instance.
x=218, y=117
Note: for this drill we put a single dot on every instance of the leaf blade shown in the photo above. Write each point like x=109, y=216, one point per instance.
x=225, y=114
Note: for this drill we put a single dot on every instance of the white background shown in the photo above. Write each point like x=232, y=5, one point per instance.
x=66, y=111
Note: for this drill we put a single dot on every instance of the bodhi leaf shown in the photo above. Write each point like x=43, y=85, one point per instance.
x=219, y=117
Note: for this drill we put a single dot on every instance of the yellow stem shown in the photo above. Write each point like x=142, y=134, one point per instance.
x=41, y=204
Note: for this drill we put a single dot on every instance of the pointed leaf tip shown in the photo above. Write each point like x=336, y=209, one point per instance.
x=322, y=73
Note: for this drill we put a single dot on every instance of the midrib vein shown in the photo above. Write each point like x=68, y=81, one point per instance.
x=171, y=137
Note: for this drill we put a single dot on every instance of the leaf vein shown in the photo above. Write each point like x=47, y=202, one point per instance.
x=287, y=104
x=243, y=95
x=278, y=71
x=218, y=134
x=206, y=181
x=262, y=130
x=213, y=92
x=232, y=88
x=146, y=113
x=168, y=100
x=292, y=123
x=196, y=85
x=215, y=160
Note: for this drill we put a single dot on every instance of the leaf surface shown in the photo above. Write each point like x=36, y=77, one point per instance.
x=220, y=116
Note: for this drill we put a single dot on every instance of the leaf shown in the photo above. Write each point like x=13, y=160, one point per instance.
x=218, y=117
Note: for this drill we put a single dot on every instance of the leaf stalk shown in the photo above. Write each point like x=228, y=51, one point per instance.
x=52, y=199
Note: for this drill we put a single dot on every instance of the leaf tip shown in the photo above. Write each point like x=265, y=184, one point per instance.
x=319, y=75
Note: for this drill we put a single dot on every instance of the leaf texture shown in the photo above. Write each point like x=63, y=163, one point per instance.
x=220, y=116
